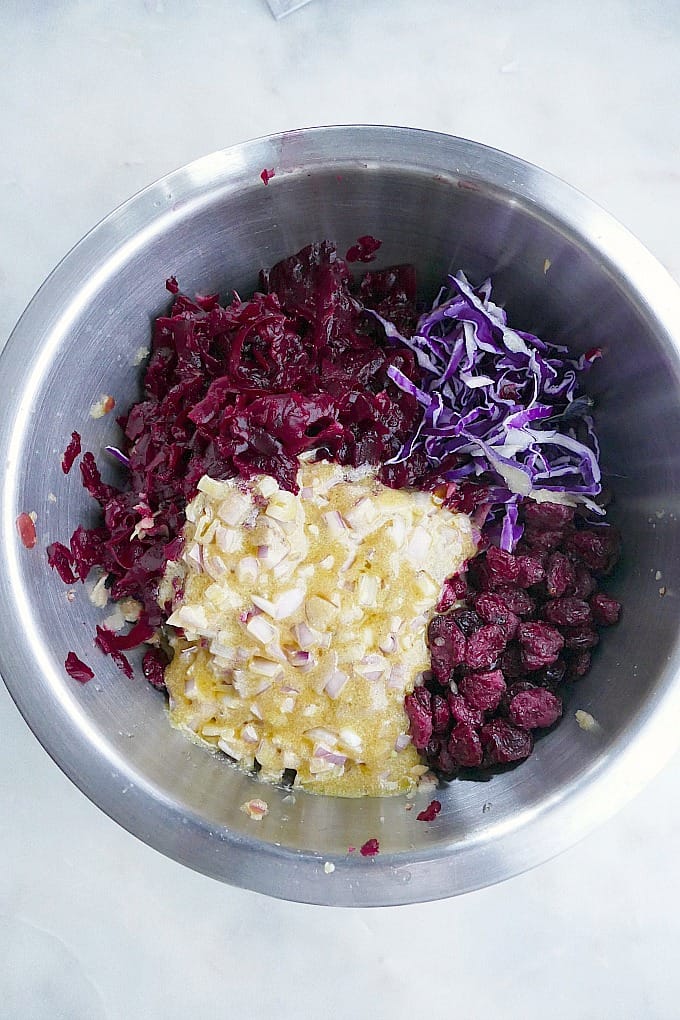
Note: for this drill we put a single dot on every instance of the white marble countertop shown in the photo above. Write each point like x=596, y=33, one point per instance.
x=96, y=101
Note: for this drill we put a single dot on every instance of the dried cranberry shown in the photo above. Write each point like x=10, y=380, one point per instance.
x=440, y=714
x=454, y=589
x=465, y=746
x=479, y=575
x=552, y=675
x=467, y=620
x=530, y=571
x=463, y=712
x=501, y=566
x=517, y=600
x=605, y=609
x=519, y=687
x=559, y=575
x=443, y=762
x=535, y=709
x=153, y=667
x=584, y=582
x=567, y=611
x=418, y=707
x=434, y=746
x=26, y=528
x=547, y=516
x=542, y=541
x=540, y=644
x=483, y=691
x=447, y=646
x=598, y=548
x=580, y=639
x=493, y=609
x=579, y=664
x=510, y=662
x=370, y=848
x=503, y=742
x=484, y=646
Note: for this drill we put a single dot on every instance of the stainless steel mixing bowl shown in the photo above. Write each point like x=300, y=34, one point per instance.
x=564, y=269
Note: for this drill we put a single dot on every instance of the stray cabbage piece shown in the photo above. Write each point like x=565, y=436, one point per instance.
x=78, y=669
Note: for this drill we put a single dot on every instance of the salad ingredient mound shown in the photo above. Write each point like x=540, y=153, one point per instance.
x=319, y=376
x=304, y=623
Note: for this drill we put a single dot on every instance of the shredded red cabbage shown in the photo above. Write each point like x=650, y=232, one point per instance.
x=364, y=249
x=70, y=453
x=500, y=408
x=240, y=390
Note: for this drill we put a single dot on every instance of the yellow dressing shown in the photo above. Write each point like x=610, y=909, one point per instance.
x=305, y=621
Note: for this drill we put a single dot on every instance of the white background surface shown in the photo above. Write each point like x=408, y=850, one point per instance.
x=97, y=100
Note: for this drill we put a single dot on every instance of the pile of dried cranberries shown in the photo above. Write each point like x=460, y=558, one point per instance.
x=508, y=637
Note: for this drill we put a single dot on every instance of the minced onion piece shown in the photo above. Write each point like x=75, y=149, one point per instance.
x=335, y=683
x=265, y=667
x=335, y=522
x=234, y=508
x=249, y=734
x=261, y=629
x=398, y=677
x=388, y=644
x=334, y=757
x=266, y=605
x=288, y=602
x=319, y=733
x=304, y=635
x=247, y=569
x=300, y=659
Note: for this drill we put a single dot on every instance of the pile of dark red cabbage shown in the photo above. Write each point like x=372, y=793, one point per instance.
x=240, y=390
x=454, y=400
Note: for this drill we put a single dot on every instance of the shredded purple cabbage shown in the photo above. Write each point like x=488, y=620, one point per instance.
x=500, y=408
